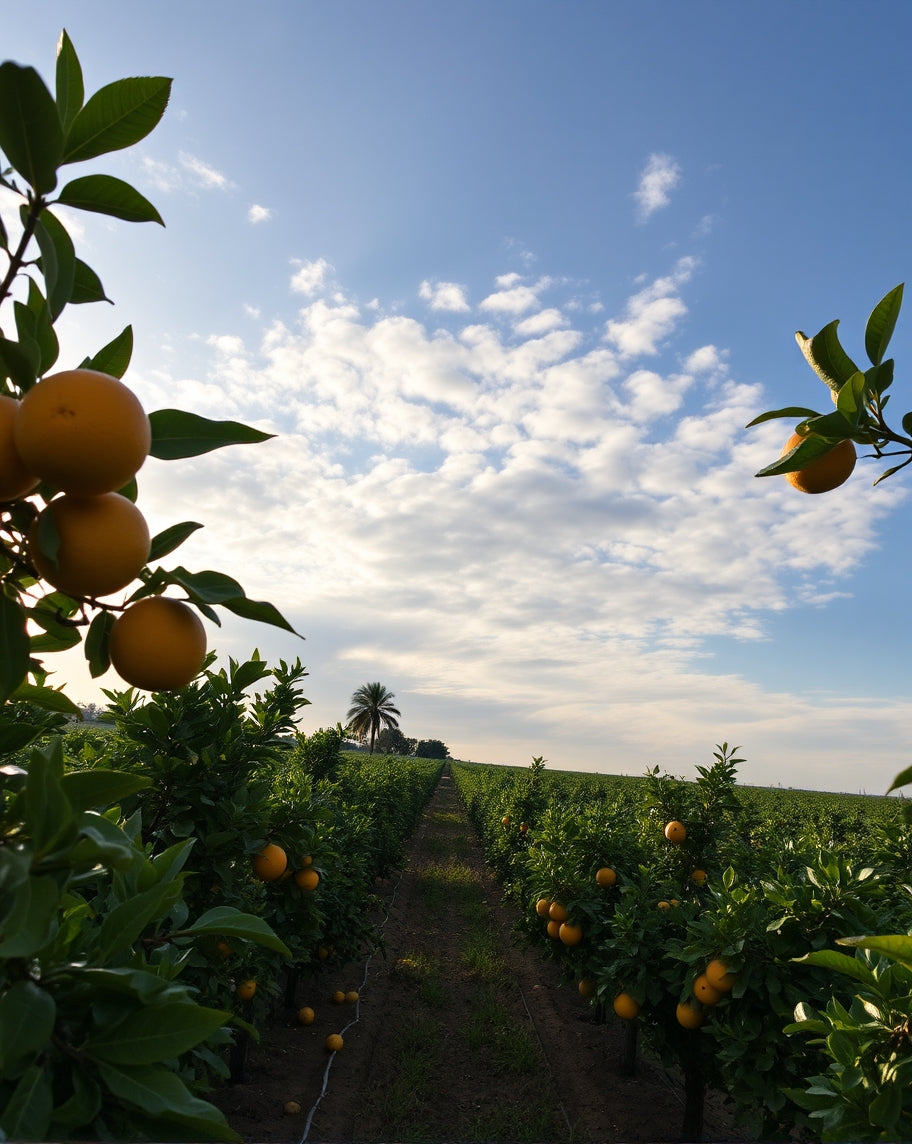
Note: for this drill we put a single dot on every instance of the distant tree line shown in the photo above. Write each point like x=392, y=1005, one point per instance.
x=372, y=716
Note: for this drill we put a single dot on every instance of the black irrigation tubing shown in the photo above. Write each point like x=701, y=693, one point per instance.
x=357, y=1016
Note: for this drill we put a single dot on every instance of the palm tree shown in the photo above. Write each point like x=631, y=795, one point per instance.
x=372, y=705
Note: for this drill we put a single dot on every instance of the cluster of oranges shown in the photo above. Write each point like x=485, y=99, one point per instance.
x=84, y=435
x=559, y=926
x=271, y=865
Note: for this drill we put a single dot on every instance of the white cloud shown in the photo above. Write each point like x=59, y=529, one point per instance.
x=444, y=296
x=514, y=298
x=207, y=177
x=659, y=178
x=258, y=213
x=310, y=276
x=651, y=315
x=189, y=173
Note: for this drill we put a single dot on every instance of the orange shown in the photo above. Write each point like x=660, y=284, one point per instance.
x=719, y=976
x=698, y=877
x=827, y=472
x=688, y=1016
x=306, y=860
x=270, y=863
x=307, y=879
x=246, y=990
x=554, y=929
x=306, y=1015
x=705, y=992
x=523, y=828
x=676, y=832
x=542, y=906
x=663, y=905
x=224, y=948
x=333, y=1043
x=339, y=997
x=351, y=996
x=82, y=432
x=158, y=644
x=586, y=988
x=292, y=1108
x=557, y=911
x=15, y=478
x=506, y=820
x=606, y=876
x=322, y=952
x=570, y=934
x=103, y=544
x=626, y=1007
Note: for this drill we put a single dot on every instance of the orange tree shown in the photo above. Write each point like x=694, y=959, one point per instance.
x=864, y=1094
x=98, y=1037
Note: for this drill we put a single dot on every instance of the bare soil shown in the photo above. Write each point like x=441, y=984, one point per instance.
x=567, y=1087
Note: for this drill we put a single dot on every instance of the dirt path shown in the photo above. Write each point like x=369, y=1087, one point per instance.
x=458, y=1034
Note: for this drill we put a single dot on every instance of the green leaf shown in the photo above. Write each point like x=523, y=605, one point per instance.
x=882, y=323
x=17, y=364
x=177, y=434
x=826, y=356
x=898, y=947
x=116, y=116
x=807, y=450
x=27, y=1015
x=48, y=698
x=155, y=1033
x=15, y=736
x=230, y=922
x=208, y=587
x=850, y=399
x=87, y=286
x=27, y=1113
x=260, y=610
x=48, y=815
x=32, y=920
x=839, y=963
x=834, y=426
x=125, y=922
x=70, y=87
x=789, y=411
x=902, y=779
x=14, y=646
x=160, y=1092
x=97, y=643
x=87, y=790
x=45, y=336
x=104, y=194
x=114, y=358
x=58, y=261
x=31, y=136
x=171, y=538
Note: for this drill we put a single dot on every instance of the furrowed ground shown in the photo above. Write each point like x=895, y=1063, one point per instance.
x=457, y=1035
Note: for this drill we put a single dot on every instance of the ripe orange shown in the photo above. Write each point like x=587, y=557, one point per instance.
x=339, y=997
x=352, y=996
x=542, y=906
x=586, y=988
x=698, y=877
x=663, y=905
x=570, y=934
x=676, y=832
x=158, y=644
x=334, y=1042
x=306, y=1015
x=292, y=1108
x=523, y=828
x=103, y=544
x=626, y=1007
x=506, y=820
x=15, y=478
x=554, y=929
x=224, y=948
x=270, y=863
x=322, y=952
x=606, y=876
x=82, y=432
x=557, y=911
x=720, y=976
x=307, y=879
x=306, y=860
x=705, y=992
x=827, y=472
x=689, y=1016
x=246, y=990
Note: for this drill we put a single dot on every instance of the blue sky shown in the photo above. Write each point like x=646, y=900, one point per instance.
x=508, y=281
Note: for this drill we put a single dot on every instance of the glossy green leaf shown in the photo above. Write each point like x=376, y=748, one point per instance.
x=260, y=610
x=27, y=1113
x=209, y=587
x=837, y=962
x=104, y=194
x=15, y=736
x=70, y=89
x=31, y=136
x=14, y=646
x=32, y=919
x=171, y=538
x=177, y=434
x=790, y=411
x=826, y=356
x=125, y=922
x=61, y=640
x=902, y=779
x=230, y=922
x=17, y=364
x=99, y=788
x=155, y=1033
x=882, y=323
x=48, y=698
x=79, y=1110
x=808, y=450
x=44, y=333
x=58, y=261
x=898, y=947
x=159, y=1092
x=48, y=816
x=96, y=643
x=87, y=286
x=116, y=116
x=27, y=1015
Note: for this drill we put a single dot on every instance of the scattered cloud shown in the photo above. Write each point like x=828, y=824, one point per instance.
x=258, y=213
x=310, y=277
x=190, y=172
x=513, y=297
x=444, y=296
x=651, y=315
x=659, y=178
x=204, y=175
